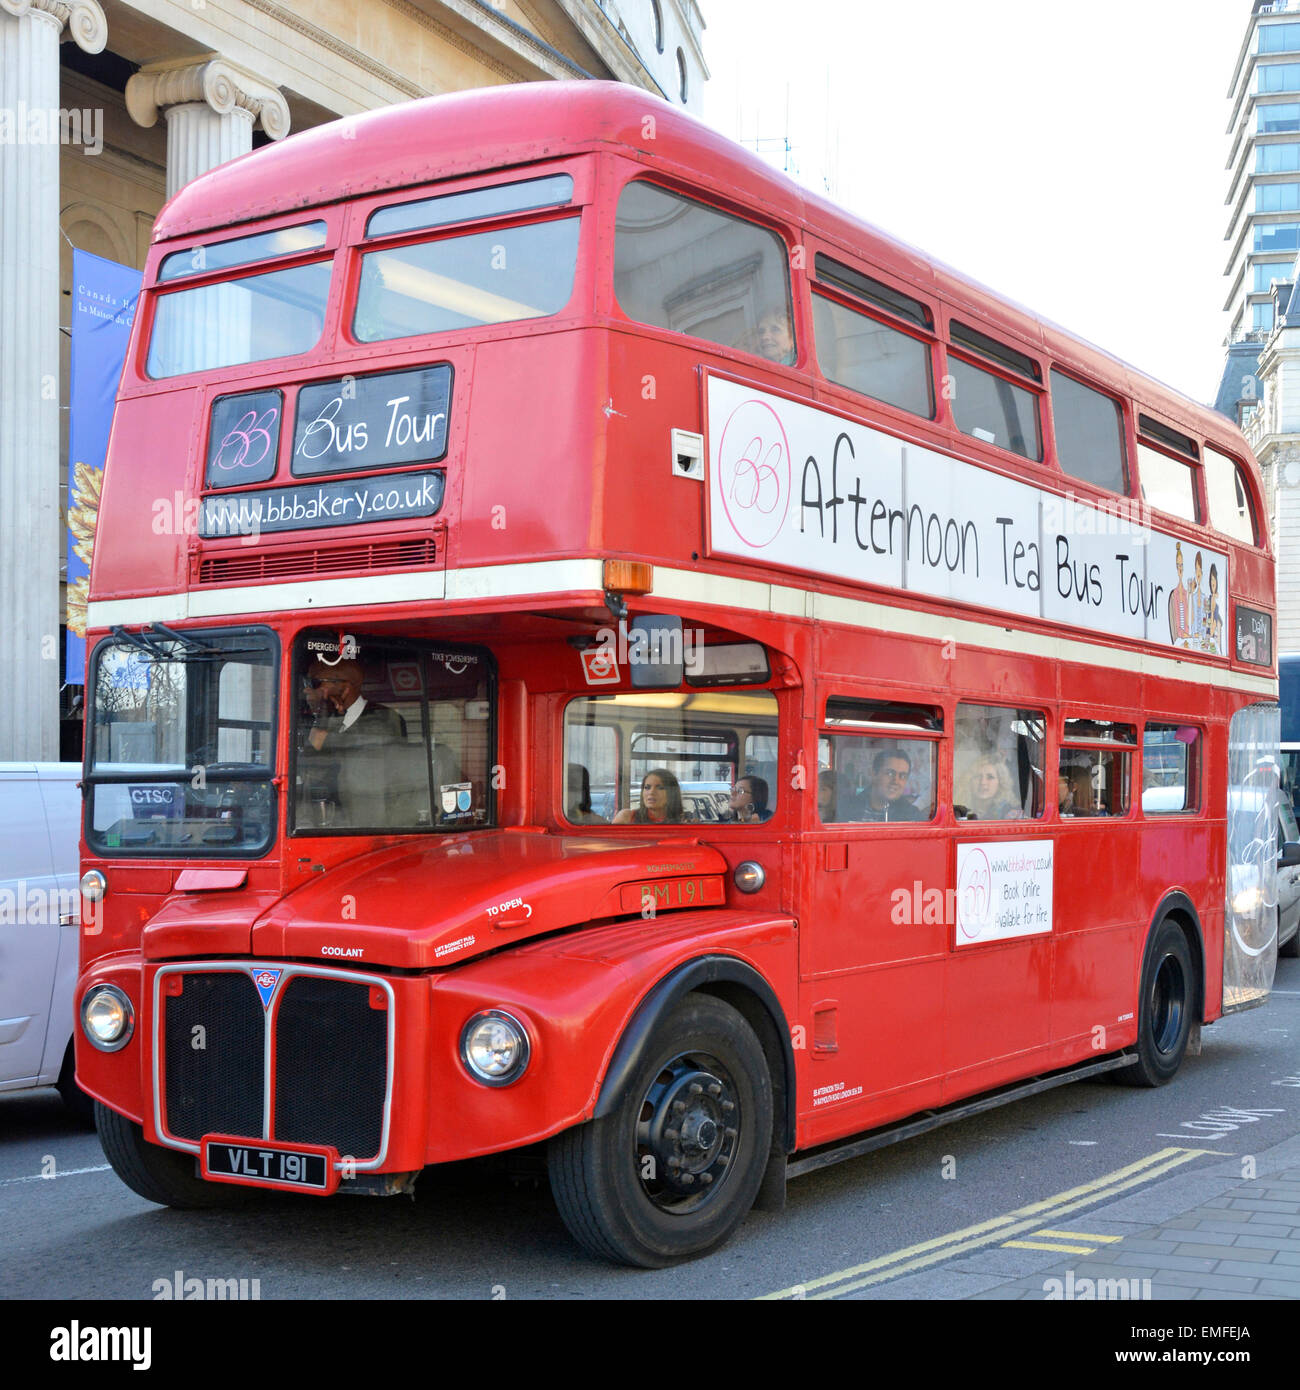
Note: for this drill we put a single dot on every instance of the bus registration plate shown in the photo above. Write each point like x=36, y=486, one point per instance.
x=300, y=1167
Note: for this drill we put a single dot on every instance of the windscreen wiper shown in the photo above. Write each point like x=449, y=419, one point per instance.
x=140, y=642
x=192, y=645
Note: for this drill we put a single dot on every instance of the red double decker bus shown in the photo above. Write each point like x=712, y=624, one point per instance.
x=595, y=648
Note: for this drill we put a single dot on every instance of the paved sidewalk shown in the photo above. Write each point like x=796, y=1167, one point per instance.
x=1206, y=1234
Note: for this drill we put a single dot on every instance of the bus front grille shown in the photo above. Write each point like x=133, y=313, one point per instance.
x=329, y=1047
x=331, y=1065
x=216, y=1056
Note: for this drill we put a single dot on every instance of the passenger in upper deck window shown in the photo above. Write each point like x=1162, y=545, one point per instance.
x=773, y=338
x=661, y=801
x=887, y=798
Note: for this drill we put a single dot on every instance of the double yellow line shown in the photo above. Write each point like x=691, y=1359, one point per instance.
x=996, y=1230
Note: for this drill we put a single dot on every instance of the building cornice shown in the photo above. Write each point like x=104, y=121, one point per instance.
x=451, y=38
x=283, y=15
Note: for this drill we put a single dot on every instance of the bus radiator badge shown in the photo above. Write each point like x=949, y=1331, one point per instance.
x=266, y=981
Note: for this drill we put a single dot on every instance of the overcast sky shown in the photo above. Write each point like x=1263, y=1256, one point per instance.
x=1070, y=156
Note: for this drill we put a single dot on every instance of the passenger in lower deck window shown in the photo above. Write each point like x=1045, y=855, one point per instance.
x=661, y=801
x=988, y=793
x=827, y=796
x=886, y=798
x=749, y=800
x=578, y=798
x=1075, y=791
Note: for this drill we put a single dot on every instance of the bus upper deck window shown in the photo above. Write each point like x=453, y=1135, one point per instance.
x=988, y=406
x=467, y=281
x=1168, y=483
x=682, y=266
x=1230, y=508
x=471, y=205
x=244, y=250
x=864, y=352
x=278, y=313
x=1089, y=433
x=868, y=356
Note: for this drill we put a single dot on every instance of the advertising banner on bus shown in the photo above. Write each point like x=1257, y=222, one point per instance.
x=803, y=488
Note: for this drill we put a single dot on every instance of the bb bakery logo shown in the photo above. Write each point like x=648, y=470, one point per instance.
x=754, y=472
x=974, y=894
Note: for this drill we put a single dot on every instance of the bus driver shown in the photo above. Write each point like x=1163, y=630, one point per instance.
x=348, y=736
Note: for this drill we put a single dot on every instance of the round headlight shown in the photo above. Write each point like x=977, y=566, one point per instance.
x=107, y=1018
x=93, y=885
x=494, y=1048
x=749, y=877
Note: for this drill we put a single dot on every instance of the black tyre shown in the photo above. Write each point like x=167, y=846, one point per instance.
x=80, y=1106
x=1164, y=1009
x=672, y=1171
x=1292, y=946
x=158, y=1175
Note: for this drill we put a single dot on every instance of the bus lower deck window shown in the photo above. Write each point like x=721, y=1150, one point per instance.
x=877, y=780
x=998, y=763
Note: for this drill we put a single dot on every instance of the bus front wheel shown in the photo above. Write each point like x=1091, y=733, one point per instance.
x=672, y=1171
x=158, y=1175
x=1165, y=1009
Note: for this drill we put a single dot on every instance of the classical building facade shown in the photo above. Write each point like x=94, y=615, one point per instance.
x=1272, y=427
x=107, y=107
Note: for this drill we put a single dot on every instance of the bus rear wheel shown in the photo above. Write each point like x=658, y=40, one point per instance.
x=673, y=1170
x=1165, y=1009
x=158, y=1175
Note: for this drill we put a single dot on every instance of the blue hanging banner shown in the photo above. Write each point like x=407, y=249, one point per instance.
x=104, y=296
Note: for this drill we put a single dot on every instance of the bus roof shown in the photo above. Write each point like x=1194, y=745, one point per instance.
x=418, y=142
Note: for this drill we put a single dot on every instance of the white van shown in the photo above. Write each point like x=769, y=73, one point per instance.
x=40, y=831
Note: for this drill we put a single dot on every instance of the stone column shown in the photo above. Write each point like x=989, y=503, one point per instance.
x=30, y=466
x=210, y=108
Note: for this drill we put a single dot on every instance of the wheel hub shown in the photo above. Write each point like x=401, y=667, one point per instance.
x=687, y=1132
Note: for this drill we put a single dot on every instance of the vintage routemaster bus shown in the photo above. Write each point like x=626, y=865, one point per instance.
x=594, y=648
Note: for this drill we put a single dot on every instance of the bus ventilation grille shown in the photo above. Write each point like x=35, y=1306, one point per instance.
x=247, y=567
x=331, y=1061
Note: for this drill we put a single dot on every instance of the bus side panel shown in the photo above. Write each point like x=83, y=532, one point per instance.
x=999, y=1013
x=872, y=960
x=1100, y=913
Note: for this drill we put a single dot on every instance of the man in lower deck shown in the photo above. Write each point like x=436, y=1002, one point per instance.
x=887, y=798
